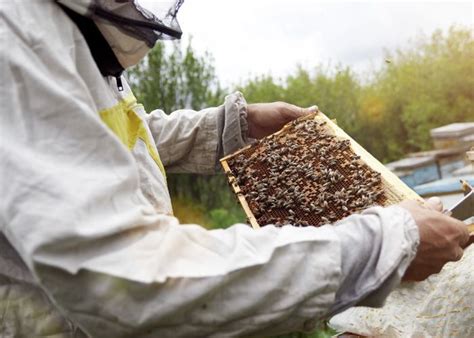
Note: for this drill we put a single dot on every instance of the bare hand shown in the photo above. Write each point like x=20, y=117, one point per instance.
x=266, y=118
x=442, y=239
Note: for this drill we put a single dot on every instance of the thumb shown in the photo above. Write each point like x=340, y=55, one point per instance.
x=310, y=110
x=293, y=112
x=435, y=203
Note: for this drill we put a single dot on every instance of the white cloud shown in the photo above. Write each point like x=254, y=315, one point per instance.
x=263, y=36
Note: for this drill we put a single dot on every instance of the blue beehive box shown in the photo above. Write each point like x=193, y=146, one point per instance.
x=416, y=170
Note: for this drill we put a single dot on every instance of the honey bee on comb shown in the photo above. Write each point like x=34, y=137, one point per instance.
x=309, y=174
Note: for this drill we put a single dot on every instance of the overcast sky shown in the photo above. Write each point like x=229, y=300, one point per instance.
x=250, y=37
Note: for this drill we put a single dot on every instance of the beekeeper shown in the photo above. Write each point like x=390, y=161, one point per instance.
x=89, y=244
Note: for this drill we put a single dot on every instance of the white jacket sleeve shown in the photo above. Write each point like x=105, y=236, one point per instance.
x=194, y=141
x=72, y=208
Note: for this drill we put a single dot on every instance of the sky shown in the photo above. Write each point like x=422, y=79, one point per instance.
x=254, y=37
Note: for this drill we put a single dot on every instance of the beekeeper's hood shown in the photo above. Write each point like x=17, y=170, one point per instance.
x=130, y=28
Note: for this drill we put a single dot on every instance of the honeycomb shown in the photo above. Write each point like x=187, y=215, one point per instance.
x=308, y=174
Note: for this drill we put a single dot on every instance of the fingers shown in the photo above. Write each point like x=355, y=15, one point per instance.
x=411, y=205
x=442, y=238
x=309, y=110
x=458, y=229
x=465, y=238
x=312, y=109
x=296, y=111
x=435, y=203
x=471, y=240
x=432, y=266
x=431, y=210
x=458, y=253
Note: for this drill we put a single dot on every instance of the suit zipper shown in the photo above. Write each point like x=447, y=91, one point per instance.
x=119, y=83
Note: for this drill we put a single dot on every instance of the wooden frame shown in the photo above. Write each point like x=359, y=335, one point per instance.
x=394, y=188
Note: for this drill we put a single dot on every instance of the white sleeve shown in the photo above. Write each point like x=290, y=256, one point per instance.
x=194, y=141
x=72, y=208
x=368, y=277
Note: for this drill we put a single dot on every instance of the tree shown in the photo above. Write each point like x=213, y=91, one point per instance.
x=170, y=79
x=336, y=92
x=427, y=84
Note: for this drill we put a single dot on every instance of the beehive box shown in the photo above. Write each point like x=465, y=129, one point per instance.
x=308, y=174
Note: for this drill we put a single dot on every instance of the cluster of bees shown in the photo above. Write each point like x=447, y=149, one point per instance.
x=304, y=176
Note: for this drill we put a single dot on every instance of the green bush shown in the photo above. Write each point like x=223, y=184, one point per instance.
x=223, y=218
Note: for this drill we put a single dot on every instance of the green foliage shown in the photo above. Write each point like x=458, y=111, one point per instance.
x=212, y=193
x=335, y=92
x=263, y=89
x=189, y=212
x=170, y=79
x=428, y=84
x=223, y=218
x=323, y=332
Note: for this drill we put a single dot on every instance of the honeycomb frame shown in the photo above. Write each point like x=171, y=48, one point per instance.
x=394, y=190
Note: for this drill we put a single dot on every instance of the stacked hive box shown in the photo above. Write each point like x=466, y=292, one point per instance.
x=309, y=173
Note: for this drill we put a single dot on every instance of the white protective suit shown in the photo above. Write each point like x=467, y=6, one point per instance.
x=88, y=241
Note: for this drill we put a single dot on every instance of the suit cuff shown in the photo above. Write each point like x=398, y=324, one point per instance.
x=376, y=249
